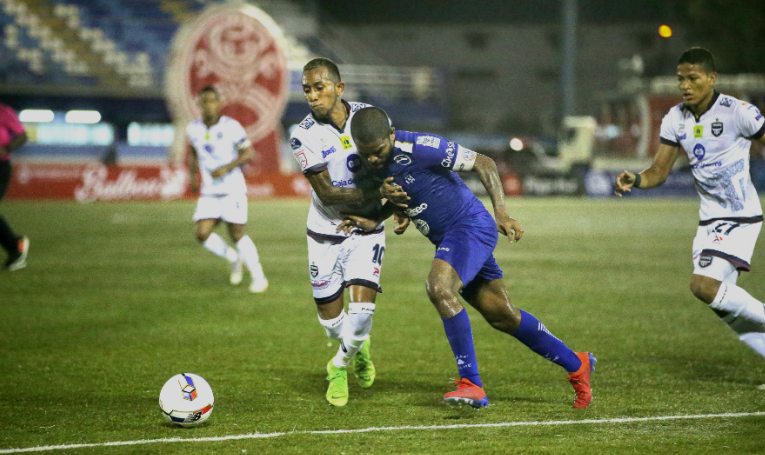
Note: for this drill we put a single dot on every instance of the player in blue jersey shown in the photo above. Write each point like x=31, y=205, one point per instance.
x=444, y=209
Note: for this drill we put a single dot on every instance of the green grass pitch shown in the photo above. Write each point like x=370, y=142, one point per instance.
x=118, y=297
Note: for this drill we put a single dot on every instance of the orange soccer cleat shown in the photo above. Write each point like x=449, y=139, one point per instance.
x=467, y=393
x=581, y=380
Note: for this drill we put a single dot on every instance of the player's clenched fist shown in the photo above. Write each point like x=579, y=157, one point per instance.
x=624, y=183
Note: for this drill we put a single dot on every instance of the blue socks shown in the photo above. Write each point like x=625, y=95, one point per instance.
x=535, y=335
x=460, y=337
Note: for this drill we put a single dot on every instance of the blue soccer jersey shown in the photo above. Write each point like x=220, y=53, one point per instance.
x=423, y=165
x=442, y=207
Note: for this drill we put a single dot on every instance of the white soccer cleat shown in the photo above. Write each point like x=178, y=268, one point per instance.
x=20, y=261
x=237, y=269
x=259, y=285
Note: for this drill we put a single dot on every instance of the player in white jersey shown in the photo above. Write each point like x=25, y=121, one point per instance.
x=715, y=131
x=219, y=146
x=323, y=148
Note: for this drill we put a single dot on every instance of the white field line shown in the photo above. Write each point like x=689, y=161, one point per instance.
x=402, y=428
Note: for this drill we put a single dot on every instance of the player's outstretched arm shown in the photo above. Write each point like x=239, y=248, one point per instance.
x=489, y=175
x=652, y=177
x=368, y=224
x=334, y=195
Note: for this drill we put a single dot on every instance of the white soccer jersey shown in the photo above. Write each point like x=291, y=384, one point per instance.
x=215, y=147
x=321, y=146
x=718, y=149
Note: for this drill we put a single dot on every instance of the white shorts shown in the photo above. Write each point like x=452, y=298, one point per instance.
x=724, y=246
x=231, y=208
x=334, y=265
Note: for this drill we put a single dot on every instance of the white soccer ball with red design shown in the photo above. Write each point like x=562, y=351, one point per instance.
x=186, y=399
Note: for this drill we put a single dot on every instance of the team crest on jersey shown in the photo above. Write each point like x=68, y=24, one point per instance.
x=727, y=102
x=346, y=142
x=354, y=163
x=402, y=160
x=314, y=270
x=705, y=260
x=699, y=151
x=295, y=143
x=429, y=141
x=717, y=128
x=208, y=148
x=698, y=131
x=302, y=160
x=307, y=123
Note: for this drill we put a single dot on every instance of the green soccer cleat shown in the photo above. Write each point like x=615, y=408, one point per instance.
x=363, y=366
x=337, y=393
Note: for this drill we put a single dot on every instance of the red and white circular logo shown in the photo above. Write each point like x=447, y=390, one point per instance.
x=239, y=50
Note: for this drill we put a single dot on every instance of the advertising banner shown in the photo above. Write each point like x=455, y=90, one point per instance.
x=97, y=182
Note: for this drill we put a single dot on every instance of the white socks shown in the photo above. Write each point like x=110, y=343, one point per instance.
x=355, y=331
x=250, y=255
x=739, y=303
x=219, y=247
x=334, y=327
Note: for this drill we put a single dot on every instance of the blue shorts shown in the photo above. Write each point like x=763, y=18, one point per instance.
x=469, y=248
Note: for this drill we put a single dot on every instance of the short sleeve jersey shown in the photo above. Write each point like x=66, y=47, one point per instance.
x=319, y=146
x=10, y=127
x=717, y=146
x=424, y=164
x=217, y=146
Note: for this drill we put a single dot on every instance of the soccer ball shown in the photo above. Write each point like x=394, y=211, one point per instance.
x=186, y=399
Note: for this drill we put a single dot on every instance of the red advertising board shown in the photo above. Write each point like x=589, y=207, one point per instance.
x=97, y=182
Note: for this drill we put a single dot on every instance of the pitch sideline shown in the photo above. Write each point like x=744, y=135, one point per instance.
x=368, y=430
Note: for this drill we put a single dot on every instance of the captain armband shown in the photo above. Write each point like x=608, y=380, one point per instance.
x=465, y=159
x=638, y=179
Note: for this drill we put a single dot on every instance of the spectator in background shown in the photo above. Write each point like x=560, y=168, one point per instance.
x=12, y=136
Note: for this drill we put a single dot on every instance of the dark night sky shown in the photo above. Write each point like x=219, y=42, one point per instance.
x=497, y=11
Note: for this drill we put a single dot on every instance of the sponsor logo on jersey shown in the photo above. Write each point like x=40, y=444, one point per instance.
x=715, y=164
x=307, y=123
x=408, y=178
x=346, y=142
x=727, y=102
x=413, y=212
x=442, y=248
x=699, y=151
x=302, y=160
x=402, y=160
x=717, y=128
x=705, y=260
x=295, y=143
x=327, y=152
x=354, y=163
x=376, y=271
x=429, y=141
x=320, y=284
x=343, y=183
x=357, y=106
x=447, y=162
x=314, y=270
x=698, y=131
